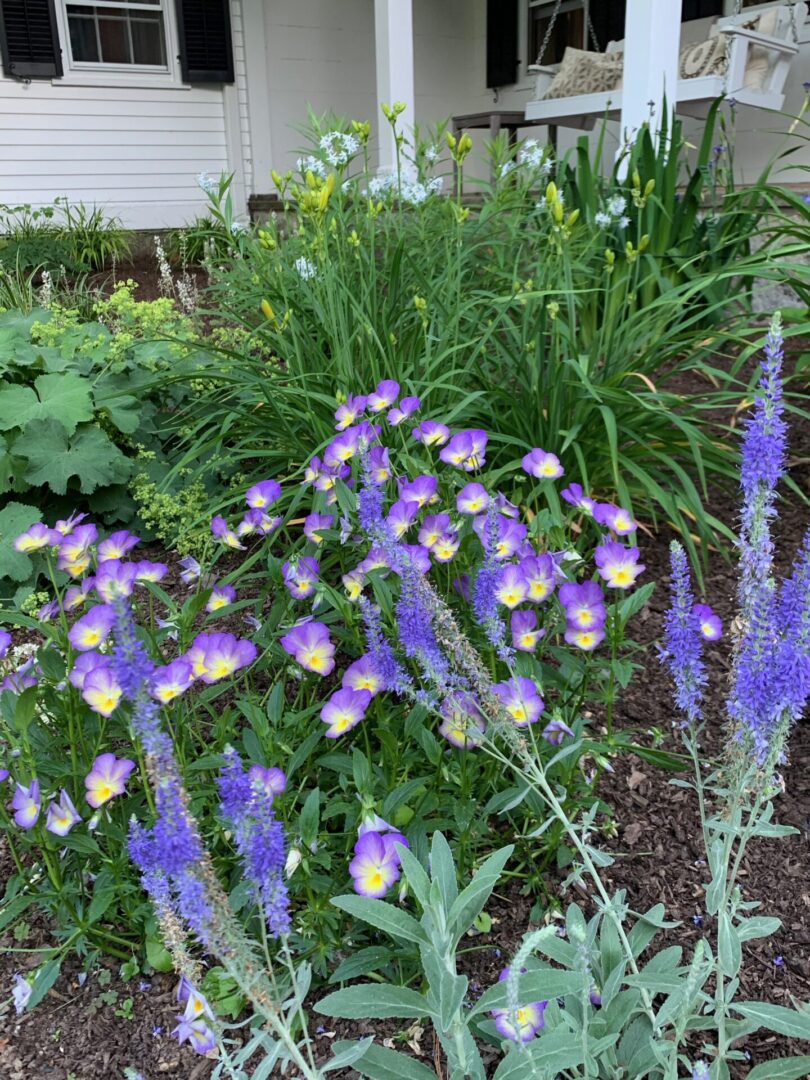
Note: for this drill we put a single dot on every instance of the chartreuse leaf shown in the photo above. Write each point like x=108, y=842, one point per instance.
x=782, y=1069
x=53, y=458
x=783, y=1021
x=380, y=1063
x=64, y=397
x=15, y=519
x=391, y=920
x=376, y=1001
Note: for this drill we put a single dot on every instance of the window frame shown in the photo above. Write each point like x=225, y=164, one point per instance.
x=567, y=5
x=92, y=73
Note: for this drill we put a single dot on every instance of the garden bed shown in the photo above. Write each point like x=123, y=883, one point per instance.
x=107, y=1024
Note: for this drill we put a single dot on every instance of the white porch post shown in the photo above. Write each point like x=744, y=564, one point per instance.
x=652, y=33
x=393, y=39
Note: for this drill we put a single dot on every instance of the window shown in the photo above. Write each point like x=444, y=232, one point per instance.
x=117, y=33
x=583, y=24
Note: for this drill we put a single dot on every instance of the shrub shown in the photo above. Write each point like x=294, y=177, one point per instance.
x=63, y=237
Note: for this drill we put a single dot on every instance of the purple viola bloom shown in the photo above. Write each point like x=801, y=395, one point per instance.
x=37, y=537
x=542, y=464
x=521, y=699
x=555, y=731
x=431, y=433
x=587, y=640
x=420, y=491
x=48, y=611
x=196, y=1004
x=20, y=993
x=272, y=780
x=115, y=580
x=353, y=583
x=190, y=570
x=344, y=710
x=223, y=655
x=5, y=643
x=363, y=674
x=584, y=604
x=466, y=450
x=117, y=545
x=221, y=596
x=525, y=634
x=301, y=576
x=101, y=690
x=512, y=588
x=92, y=629
x=401, y=516
x=197, y=1033
x=384, y=396
x=520, y=1024
x=171, y=681
x=221, y=531
x=66, y=526
x=434, y=527
x=406, y=408
x=107, y=778
x=574, y=495
x=463, y=723
x=376, y=864
x=539, y=573
x=348, y=413
x=62, y=815
x=379, y=465
x=445, y=548
x=309, y=643
x=4, y=775
x=376, y=559
x=618, y=565
x=76, y=595
x=263, y=494
x=257, y=521
x=314, y=523
x=618, y=520
x=711, y=626
x=20, y=680
x=26, y=804
x=85, y=663
x=472, y=499
x=343, y=448
x=150, y=571
x=511, y=535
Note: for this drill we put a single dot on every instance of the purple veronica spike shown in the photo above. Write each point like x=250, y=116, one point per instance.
x=682, y=648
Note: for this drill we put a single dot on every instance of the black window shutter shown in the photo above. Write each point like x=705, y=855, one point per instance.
x=700, y=9
x=607, y=17
x=502, y=42
x=204, y=30
x=29, y=42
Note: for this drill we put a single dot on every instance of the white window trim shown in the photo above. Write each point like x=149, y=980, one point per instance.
x=122, y=76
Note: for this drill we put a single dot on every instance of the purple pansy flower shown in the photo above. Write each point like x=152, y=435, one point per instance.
x=463, y=723
x=521, y=699
x=301, y=576
x=309, y=643
x=344, y=710
x=376, y=865
x=348, y=413
x=102, y=690
x=221, y=596
x=62, y=815
x=117, y=545
x=542, y=464
x=406, y=408
x=574, y=495
x=472, y=499
x=711, y=626
x=618, y=520
x=107, y=778
x=384, y=396
x=263, y=494
x=26, y=804
x=618, y=565
x=92, y=629
x=37, y=537
x=525, y=634
x=431, y=433
x=115, y=580
x=171, y=681
x=271, y=780
x=363, y=675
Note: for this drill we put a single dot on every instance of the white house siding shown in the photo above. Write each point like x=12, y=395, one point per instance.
x=131, y=147
x=316, y=52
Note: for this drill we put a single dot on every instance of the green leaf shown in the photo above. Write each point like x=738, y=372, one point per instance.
x=65, y=398
x=309, y=818
x=542, y=985
x=104, y=890
x=729, y=951
x=790, y=1022
x=44, y=980
x=416, y=875
x=15, y=518
x=380, y=1063
x=794, y=1068
x=443, y=869
x=474, y=896
x=348, y=1054
x=362, y=962
x=391, y=920
x=376, y=1001
x=758, y=926
x=54, y=459
x=158, y=956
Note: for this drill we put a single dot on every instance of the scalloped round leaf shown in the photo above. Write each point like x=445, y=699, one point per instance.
x=53, y=458
x=63, y=397
x=15, y=518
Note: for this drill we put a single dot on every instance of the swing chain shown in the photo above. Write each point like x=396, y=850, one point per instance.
x=550, y=30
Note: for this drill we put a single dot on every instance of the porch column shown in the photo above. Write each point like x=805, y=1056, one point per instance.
x=393, y=34
x=652, y=34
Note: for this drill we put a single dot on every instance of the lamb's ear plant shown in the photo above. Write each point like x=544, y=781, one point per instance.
x=447, y=915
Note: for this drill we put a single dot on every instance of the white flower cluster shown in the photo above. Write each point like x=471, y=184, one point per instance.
x=306, y=268
x=432, y=154
x=313, y=165
x=206, y=183
x=411, y=191
x=614, y=211
x=339, y=148
x=533, y=155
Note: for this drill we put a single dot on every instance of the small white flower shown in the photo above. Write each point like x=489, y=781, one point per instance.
x=293, y=861
x=206, y=183
x=238, y=227
x=602, y=219
x=306, y=268
x=506, y=168
x=339, y=148
x=432, y=154
x=616, y=205
x=624, y=221
x=313, y=165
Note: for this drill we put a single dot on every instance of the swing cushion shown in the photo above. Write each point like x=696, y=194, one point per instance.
x=584, y=72
x=703, y=58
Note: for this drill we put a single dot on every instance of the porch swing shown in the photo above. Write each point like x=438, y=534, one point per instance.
x=746, y=57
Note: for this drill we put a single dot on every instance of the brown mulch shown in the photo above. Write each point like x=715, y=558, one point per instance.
x=75, y=1033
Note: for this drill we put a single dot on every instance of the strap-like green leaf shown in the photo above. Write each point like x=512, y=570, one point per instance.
x=383, y=916
x=375, y=1001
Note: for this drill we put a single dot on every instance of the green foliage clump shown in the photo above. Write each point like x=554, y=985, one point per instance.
x=64, y=236
x=179, y=517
